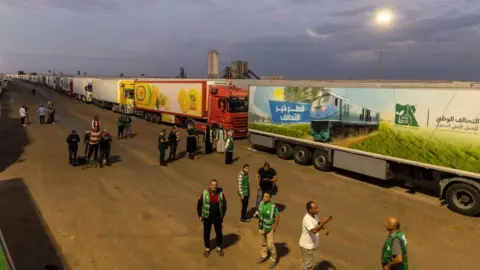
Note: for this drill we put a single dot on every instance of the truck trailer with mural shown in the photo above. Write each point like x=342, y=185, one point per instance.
x=116, y=94
x=197, y=101
x=426, y=134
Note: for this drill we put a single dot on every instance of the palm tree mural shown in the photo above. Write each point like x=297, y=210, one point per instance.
x=301, y=94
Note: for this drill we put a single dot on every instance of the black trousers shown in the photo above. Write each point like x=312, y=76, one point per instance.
x=120, y=131
x=207, y=228
x=173, y=152
x=105, y=154
x=52, y=117
x=208, y=148
x=162, y=155
x=243, y=215
x=72, y=156
x=87, y=146
x=22, y=120
x=93, y=149
x=42, y=119
x=228, y=157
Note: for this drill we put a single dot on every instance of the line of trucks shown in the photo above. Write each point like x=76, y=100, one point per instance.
x=423, y=133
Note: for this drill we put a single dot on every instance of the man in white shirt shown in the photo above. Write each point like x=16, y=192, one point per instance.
x=23, y=115
x=309, y=237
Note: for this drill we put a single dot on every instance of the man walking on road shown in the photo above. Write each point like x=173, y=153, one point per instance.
x=244, y=192
x=229, y=149
x=127, y=133
x=211, y=208
x=72, y=140
x=266, y=178
x=162, y=147
x=173, y=139
x=311, y=226
x=394, y=254
x=120, y=126
x=268, y=219
x=23, y=115
x=105, y=146
x=41, y=113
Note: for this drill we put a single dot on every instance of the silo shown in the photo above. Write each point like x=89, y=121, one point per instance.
x=245, y=69
x=212, y=64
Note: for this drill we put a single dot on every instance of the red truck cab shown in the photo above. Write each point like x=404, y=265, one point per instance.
x=228, y=106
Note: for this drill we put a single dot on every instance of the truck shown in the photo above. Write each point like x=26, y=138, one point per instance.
x=82, y=89
x=66, y=85
x=116, y=94
x=422, y=133
x=197, y=101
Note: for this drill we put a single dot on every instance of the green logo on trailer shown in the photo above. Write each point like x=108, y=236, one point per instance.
x=405, y=115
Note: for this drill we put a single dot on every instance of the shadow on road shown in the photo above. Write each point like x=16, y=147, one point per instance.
x=228, y=240
x=26, y=236
x=281, y=207
x=13, y=138
x=325, y=265
x=282, y=250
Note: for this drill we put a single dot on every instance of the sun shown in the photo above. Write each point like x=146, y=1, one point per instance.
x=278, y=94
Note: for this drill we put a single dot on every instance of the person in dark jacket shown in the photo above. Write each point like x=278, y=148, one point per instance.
x=208, y=138
x=191, y=141
x=72, y=140
x=211, y=208
x=173, y=139
x=86, y=142
x=162, y=147
x=120, y=126
x=105, y=146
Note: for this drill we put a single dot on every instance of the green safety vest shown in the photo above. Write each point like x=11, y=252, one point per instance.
x=387, y=254
x=210, y=138
x=121, y=122
x=178, y=136
x=230, y=145
x=245, y=184
x=206, y=204
x=266, y=216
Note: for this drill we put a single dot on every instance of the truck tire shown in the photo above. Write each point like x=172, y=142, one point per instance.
x=463, y=199
x=302, y=155
x=284, y=150
x=321, y=161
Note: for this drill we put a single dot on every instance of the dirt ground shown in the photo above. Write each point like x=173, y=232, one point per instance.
x=138, y=215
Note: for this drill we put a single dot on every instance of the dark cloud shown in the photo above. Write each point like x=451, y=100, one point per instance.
x=443, y=47
x=355, y=12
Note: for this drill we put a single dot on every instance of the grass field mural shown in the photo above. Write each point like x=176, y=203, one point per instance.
x=439, y=127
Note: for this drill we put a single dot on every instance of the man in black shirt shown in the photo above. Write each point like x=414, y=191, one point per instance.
x=173, y=139
x=72, y=141
x=162, y=147
x=105, y=145
x=266, y=178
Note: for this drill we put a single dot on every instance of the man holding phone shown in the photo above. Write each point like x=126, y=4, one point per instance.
x=311, y=226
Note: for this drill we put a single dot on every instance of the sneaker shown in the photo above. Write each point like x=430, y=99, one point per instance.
x=262, y=260
x=220, y=252
x=272, y=265
x=206, y=253
x=243, y=221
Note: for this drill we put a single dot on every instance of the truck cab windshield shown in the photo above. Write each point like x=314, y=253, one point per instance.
x=237, y=105
x=88, y=88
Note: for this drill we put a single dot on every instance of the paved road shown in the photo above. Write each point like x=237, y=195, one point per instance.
x=138, y=215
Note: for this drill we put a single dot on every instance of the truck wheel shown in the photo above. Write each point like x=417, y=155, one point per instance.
x=284, y=150
x=463, y=199
x=147, y=116
x=302, y=155
x=321, y=161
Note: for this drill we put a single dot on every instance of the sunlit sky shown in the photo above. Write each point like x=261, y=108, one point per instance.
x=307, y=39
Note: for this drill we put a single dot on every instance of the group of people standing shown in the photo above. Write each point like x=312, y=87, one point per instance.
x=42, y=113
x=223, y=139
x=95, y=141
x=212, y=207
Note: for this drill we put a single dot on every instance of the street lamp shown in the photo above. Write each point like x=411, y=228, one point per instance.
x=383, y=18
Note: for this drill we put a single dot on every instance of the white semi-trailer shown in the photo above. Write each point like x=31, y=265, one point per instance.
x=426, y=134
x=114, y=94
x=82, y=88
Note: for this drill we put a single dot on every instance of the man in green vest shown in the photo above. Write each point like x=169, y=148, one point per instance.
x=120, y=127
x=229, y=149
x=394, y=254
x=211, y=208
x=244, y=192
x=268, y=218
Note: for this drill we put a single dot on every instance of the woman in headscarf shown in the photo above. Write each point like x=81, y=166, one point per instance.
x=221, y=138
x=229, y=149
x=208, y=140
x=191, y=141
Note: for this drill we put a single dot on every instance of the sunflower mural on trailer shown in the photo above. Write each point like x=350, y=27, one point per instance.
x=149, y=96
